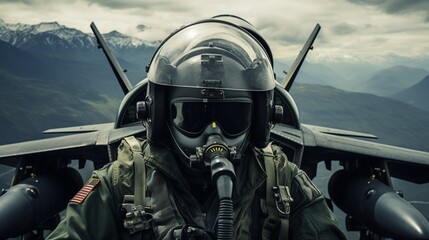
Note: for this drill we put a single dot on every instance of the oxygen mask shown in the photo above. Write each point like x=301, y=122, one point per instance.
x=201, y=127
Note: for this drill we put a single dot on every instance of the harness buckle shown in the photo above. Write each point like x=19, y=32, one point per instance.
x=283, y=199
x=136, y=219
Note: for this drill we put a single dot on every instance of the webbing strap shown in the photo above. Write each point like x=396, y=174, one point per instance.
x=140, y=172
x=136, y=218
x=276, y=195
x=271, y=221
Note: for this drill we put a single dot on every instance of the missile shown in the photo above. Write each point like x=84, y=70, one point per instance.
x=377, y=206
x=34, y=200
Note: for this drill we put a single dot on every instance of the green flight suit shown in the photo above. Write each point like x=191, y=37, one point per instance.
x=173, y=205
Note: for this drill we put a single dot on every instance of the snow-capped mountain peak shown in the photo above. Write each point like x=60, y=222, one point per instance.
x=118, y=39
x=46, y=27
x=52, y=33
x=115, y=33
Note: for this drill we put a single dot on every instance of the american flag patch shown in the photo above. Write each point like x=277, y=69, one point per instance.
x=85, y=191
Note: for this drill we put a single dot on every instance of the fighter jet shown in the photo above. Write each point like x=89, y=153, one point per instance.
x=44, y=182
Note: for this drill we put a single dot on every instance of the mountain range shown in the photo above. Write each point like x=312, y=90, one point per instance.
x=387, y=82
x=58, y=37
x=416, y=95
x=393, y=121
x=398, y=82
x=52, y=60
x=60, y=42
x=54, y=76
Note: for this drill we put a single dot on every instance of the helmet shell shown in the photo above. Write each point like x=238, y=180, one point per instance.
x=211, y=55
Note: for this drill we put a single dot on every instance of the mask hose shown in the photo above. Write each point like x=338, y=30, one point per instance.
x=223, y=175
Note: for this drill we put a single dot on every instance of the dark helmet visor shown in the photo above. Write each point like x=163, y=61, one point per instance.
x=232, y=117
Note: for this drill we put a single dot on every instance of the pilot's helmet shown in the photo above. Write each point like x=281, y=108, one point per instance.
x=250, y=29
x=210, y=77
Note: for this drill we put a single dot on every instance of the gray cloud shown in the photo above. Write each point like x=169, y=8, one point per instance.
x=35, y=2
x=343, y=29
x=141, y=28
x=398, y=6
x=165, y=5
x=276, y=31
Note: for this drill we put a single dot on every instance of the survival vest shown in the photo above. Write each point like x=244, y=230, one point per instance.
x=275, y=203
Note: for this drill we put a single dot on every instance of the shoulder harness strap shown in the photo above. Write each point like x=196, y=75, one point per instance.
x=278, y=197
x=136, y=218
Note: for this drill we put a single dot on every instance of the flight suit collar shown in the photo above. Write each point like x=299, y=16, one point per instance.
x=249, y=172
x=250, y=175
x=164, y=160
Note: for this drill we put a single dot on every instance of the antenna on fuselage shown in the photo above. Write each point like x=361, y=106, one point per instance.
x=114, y=64
x=294, y=69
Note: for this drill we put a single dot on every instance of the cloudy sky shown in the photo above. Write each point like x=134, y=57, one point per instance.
x=351, y=29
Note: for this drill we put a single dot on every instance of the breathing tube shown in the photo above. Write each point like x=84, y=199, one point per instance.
x=223, y=174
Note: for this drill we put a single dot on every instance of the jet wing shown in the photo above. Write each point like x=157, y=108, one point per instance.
x=90, y=142
x=324, y=144
x=339, y=132
x=81, y=129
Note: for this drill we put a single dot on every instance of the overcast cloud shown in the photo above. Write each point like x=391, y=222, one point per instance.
x=399, y=6
x=361, y=29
